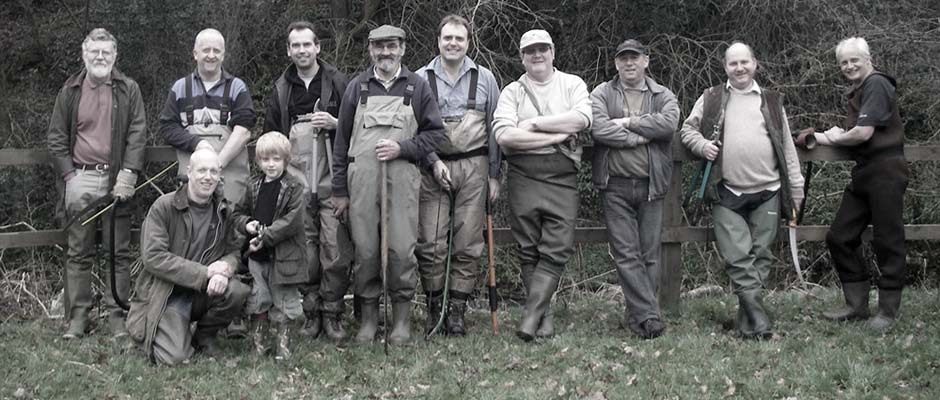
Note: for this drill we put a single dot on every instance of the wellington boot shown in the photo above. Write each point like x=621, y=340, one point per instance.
x=542, y=286
x=547, y=324
x=116, y=321
x=455, y=312
x=368, y=320
x=333, y=326
x=259, y=331
x=401, y=324
x=889, y=302
x=856, y=303
x=78, y=325
x=753, y=322
x=313, y=325
x=282, y=345
x=435, y=308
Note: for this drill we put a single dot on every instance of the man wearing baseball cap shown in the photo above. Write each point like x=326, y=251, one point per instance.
x=634, y=121
x=388, y=115
x=537, y=121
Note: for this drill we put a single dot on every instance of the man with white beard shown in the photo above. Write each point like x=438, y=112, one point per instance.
x=96, y=136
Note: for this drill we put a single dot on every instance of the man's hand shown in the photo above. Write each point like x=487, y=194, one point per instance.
x=835, y=130
x=123, y=188
x=387, y=150
x=528, y=125
x=252, y=227
x=68, y=176
x=255, y=244
x=494, y=189
x=219, y=268
x=340, y=204
x=711, y=150
x=322, y=120
x=442, y=175
x=217, y=285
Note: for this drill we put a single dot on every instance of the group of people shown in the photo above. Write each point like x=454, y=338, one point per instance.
x=430, y=144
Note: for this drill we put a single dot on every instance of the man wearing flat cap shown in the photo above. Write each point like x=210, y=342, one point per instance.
x=634, y=121
x=537, y=121
x=388, y=115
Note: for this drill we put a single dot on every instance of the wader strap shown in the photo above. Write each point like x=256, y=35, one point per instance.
x=189, y=100
x=472, y=97
x=409, y=90
x=528, y=93
x=432, y=81
x=223, y=105
x=363, y=92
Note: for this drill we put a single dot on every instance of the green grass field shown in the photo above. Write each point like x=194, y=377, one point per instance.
x=590, y=358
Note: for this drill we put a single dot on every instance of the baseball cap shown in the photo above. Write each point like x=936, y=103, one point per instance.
x=535, y=36
x=631, y=45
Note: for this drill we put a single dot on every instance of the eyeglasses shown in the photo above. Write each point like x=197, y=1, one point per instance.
x=100, y=52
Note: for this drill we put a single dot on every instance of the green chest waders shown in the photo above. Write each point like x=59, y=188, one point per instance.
x=235, y=174
x=311, y=156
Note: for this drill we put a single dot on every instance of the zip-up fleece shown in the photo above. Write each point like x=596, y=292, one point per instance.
x=659, y=125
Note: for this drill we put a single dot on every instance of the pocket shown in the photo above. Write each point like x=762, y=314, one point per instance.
x=383, y=119
x=289, y=258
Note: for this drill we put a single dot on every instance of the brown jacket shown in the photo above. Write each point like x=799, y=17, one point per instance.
x=164, y=241
x=286, y=234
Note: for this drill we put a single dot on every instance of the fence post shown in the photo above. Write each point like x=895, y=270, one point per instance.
x=670, y=282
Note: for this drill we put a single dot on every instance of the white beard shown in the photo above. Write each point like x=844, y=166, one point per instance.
x=99, y=71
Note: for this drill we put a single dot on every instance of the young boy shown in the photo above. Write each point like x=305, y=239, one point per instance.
x=271, y=216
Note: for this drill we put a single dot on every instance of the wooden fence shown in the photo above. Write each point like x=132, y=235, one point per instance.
x=675, y=232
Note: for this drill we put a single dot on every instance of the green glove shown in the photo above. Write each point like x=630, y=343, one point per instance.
x=124, y=185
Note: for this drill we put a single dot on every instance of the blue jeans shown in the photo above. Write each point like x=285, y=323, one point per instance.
x=634, y=231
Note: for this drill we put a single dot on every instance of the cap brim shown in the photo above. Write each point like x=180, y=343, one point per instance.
x=637, y=51
x=550, y=44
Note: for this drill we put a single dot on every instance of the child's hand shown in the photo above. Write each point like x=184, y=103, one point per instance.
x=255, y=244
x=252, y=227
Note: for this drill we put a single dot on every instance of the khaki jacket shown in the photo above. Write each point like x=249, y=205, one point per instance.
x=164, y=240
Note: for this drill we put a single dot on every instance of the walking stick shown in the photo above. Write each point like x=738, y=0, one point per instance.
x=494, y=301
x=383, y=223
x=111, y=256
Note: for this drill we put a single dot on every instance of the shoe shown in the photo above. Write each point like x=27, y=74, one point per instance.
x=455, y=322
x=368, y=321
x=313, y=325
x=856, y=303
x=333, y=326
x=653, y=328
x=889, y=302
x=401, y=324
x=235, y=330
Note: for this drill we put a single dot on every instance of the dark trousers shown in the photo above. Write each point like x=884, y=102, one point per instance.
x=875, y=195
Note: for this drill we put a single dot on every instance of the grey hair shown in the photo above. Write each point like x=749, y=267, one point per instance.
x=856, y=43
x=99, y=35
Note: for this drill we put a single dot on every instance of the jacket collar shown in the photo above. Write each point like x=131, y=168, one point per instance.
x=76, y=80
x=651, y=84
x=181, y=199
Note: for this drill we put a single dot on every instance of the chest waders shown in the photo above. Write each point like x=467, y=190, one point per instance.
x=448, y=262
x=392, y=118
x=311, y=157
x=235, y=174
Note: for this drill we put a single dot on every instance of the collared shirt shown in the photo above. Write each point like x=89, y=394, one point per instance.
x=93, y=139
x=387, y=83
x=753, y=88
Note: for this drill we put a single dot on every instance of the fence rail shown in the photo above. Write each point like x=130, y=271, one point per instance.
x=675, y=231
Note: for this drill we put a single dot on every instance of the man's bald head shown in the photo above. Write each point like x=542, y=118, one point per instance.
x=205, y=171
x=208, y=34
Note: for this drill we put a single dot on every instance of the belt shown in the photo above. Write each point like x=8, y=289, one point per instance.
x=101, y=168
x=452, y=119
x=480, y=151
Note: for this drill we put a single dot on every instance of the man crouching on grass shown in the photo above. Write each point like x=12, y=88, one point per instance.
x=189, y=252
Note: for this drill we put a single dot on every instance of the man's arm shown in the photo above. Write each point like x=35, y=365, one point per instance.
x=794, y=175
x=242, y=119
x=658, y=124
x=272, y=113
x=430, y=126
x=171, y=126
x=347, y=112
x=136, y=131
x=511, y=132
x=691, y=134
x=492, y=99
x=607, y=131
x=57, y=136
x=837, y=136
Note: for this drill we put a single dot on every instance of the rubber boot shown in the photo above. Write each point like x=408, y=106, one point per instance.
x=333, y=326
x=368, y=320
x=889, y=302
x=856, y=303
x=282, y=345
x=259, y=333
x=116, y=321
x=435, y=302
x=547, y=324
x=78, y=325
x=313, y=325
x=753, y=322
x=455, y=312
x=401, y=324
x=542, y=286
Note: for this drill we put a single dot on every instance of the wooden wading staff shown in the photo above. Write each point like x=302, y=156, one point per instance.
x=494, y=301
x=383, y=238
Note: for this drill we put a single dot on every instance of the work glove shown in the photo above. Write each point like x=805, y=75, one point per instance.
x=124, y=185
x=805, y=138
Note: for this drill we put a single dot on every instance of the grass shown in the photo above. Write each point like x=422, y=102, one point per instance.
x=590, y=358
